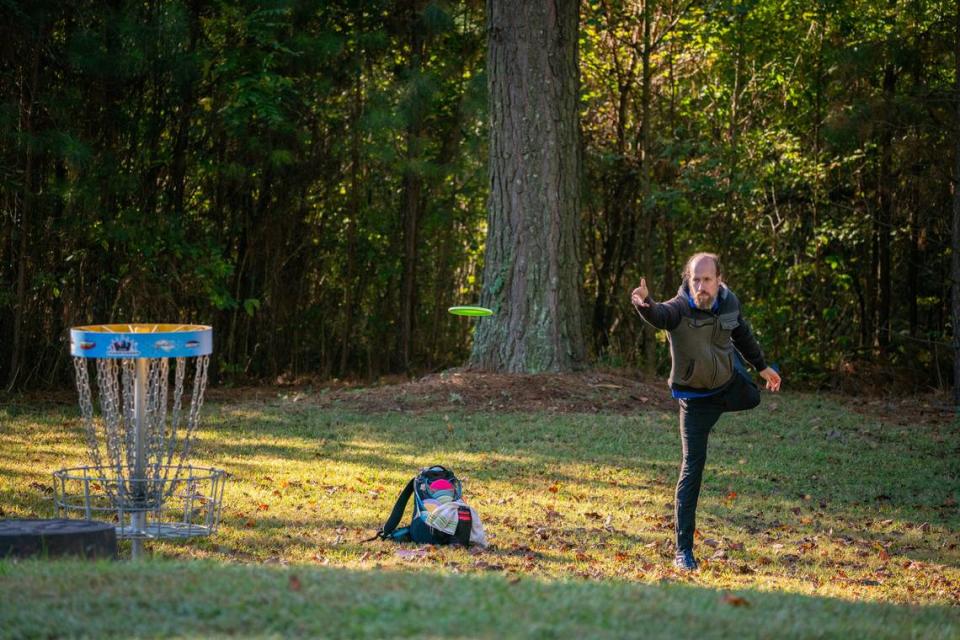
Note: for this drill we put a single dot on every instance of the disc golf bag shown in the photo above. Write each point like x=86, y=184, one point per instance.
x=440, y=516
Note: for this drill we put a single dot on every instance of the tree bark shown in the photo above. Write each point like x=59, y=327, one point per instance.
x=532, y=273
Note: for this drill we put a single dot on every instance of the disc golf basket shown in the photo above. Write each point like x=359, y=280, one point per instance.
x=140, y=476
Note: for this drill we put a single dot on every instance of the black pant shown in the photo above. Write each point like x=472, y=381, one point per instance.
x=697, y=417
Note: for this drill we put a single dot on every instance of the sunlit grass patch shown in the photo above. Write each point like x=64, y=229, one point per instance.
x=802, y=498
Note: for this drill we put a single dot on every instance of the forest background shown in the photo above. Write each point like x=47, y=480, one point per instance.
x=311, y=178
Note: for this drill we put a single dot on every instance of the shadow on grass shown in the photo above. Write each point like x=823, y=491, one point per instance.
x=160, y=598
x=897, y=471
x=790, y=460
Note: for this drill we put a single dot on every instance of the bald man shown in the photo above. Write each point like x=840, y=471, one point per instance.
x=706, y=333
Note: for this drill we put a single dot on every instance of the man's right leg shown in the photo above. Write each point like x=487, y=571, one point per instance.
x=697, y=417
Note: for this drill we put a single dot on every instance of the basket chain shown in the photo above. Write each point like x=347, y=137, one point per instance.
x=116, y=382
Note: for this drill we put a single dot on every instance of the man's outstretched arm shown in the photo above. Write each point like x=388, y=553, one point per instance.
x=749, y=348
x=659, y=315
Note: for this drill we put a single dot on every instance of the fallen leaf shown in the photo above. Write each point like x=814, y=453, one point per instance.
x=295, y=584
x=735, y=601
x=553, y=488
x=710, y=542
x=263, y=506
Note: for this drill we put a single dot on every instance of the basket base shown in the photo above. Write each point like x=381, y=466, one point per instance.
x=163, y=531
x=57, y=538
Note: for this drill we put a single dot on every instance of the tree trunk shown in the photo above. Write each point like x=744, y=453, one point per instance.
x=649, y=342
x=412, y=193
x=28, y=102
x=349, y=276
x=885, y=192
x=955, y=240
x=532, y=264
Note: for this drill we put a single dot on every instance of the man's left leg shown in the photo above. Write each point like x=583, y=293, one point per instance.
x=741, y=394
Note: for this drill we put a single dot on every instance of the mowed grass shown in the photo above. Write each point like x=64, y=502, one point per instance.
x=814, y=521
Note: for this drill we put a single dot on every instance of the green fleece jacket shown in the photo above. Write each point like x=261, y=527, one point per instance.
x=702, y=342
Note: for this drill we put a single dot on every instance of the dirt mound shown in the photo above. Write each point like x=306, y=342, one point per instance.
x=455, y=390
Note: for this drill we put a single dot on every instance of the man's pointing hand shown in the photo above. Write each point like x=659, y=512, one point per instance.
x=640, y=294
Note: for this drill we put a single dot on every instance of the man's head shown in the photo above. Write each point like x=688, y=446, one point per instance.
x=703, y=276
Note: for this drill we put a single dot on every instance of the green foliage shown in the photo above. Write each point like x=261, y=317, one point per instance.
x=776, y=137
x=177, y=160
x=239, y=164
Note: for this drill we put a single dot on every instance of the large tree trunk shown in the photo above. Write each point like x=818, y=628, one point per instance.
x=532, y=265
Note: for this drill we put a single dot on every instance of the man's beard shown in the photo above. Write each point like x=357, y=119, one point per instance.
x=704, y=302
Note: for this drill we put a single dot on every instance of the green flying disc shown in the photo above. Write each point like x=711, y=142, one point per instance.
x=470, y=311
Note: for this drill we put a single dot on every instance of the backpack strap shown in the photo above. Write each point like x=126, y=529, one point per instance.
x=397, y=514
x=464, y=525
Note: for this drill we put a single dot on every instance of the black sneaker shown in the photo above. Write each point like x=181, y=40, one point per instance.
x=685, y=561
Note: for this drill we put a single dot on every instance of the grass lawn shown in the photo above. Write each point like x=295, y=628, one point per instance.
x=815, y=521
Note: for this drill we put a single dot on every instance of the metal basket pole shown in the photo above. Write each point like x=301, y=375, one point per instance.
x=139, y=480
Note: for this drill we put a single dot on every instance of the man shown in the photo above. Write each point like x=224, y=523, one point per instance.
x=705, y=328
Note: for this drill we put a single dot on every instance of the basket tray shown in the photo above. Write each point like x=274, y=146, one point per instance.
x=141, y=341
